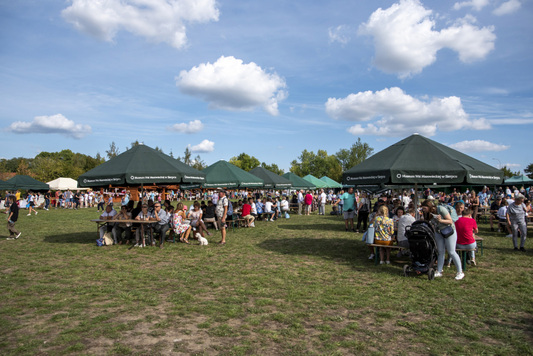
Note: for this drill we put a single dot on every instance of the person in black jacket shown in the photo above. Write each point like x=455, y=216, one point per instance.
x=12, y=219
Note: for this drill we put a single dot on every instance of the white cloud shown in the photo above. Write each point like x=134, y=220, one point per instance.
x=507, y=7
x=405, y=42
x=49, y=125
x=339, y=34
x=191, y=127
x=512, y=165
x=233, y=85
x=156, y=20
x=511, y=121
x=474, y=4
x=203, y=147
x=394, y=113
x=478, y=146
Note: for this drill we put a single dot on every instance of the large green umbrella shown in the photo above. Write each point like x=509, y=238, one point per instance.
x=226, y=175
x=297, y=181
x=331, y=183
x=271, y=179
x=140, y=165
x=518, y=180
x=23, y=182
x=315, y=181
x=419, y=160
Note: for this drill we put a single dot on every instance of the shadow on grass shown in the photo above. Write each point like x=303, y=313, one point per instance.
x=85, y=238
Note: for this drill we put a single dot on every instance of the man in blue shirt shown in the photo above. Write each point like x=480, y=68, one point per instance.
x=161, y=226
x=348, y=208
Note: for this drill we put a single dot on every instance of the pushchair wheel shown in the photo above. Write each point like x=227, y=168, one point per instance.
x=406, y=270
x=431, y=274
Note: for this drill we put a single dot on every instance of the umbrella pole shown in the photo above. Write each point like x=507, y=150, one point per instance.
x=417, y=215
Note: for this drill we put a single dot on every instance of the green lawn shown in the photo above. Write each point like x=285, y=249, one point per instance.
x=297, y=286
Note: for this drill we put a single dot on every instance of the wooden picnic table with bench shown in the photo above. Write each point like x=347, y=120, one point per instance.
x=376, y=250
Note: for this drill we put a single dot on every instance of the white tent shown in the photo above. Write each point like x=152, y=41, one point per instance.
x=64, y=184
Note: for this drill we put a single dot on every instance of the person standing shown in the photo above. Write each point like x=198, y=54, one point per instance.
x=300, y=201
x=12, y=219
x=322, y=202
x=308, y=200
x=46, y=200
x=348, y=207
x=516, y=218
x=363, y=210
x=222, y=211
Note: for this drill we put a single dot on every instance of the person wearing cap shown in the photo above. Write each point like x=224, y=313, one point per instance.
x=494, y=207
x=222, y=211
x=516, y=218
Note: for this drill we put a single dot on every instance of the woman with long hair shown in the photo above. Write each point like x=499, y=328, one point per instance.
x=180, y=225
x=440, y=218
x=383, y=231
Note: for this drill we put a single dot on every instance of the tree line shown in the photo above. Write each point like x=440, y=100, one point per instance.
x=47, y=166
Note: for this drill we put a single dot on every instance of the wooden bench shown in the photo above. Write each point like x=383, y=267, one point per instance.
x=376, y=250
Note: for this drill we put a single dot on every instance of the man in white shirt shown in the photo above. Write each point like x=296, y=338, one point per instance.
x=108, y=214
x=405, y=220
x=300, y=201
x=322, y=201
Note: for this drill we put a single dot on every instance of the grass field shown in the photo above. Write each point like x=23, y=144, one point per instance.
x=291, y=287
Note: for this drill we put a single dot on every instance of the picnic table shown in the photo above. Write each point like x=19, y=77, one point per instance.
x=376, y=250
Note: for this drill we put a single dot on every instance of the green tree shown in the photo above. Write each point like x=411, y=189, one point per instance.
x=245, y=162
x=529, y=170
x=507, y=173
x=186, y=157
x=273, y=168
x=356, y=154
x=319, y=165
x=198, y=164
x=113, y=150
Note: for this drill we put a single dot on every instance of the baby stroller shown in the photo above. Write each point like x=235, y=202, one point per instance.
x=421, y=237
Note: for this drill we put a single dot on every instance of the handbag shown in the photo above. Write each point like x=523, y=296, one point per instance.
x=446, y=231
x=370, y=234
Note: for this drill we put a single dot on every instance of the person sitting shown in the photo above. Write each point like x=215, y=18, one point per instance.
x=122, y=227
x=259, y=206
x=270, y=213
x=161, y=226
x=182, y=228
x=247, y=213
x=405, y=220
x=144, y=215
x=502, y=219
x=383, y=231
x=466, y=227
x=209, y=215
x=108, y=214
x=284, y=206
x=195, y=216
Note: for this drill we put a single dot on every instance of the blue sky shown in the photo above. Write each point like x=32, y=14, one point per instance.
x=269, y=78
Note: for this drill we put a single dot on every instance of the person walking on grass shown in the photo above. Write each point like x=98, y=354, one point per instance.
x=31, y=203
x=516, y=219
x=12, y=219
x=222, y=211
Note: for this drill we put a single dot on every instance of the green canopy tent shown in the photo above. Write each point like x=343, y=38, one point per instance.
x=315, y=181
x=23, y=182
x=140, y=165
x=331, y=183
x=226, y=175
x=519, y=180
x=298, y=182
x=271, y=179
x=419, y=160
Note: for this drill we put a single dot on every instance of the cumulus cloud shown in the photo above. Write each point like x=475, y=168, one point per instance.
x=405, y=40
x=233, y=85
x=507, y=7
x=155, y=20
x=392, y=112
x=479, y=146
x=339, y=34
x=49, y=125
x=474, y=4
x=191, y=127
x=203, y=147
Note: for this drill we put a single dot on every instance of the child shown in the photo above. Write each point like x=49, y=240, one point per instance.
x=466, y=227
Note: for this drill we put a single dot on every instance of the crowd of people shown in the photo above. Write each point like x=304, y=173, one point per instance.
x=390, y=215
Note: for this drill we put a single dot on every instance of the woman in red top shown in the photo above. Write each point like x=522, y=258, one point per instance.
x=466, y=227
x=308, y=200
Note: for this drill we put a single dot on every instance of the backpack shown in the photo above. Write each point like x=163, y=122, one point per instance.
x=452, y=212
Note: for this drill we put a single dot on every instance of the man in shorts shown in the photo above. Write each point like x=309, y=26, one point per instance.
x=221, y=212
x=348, y=208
